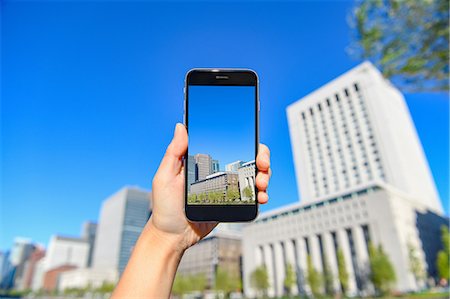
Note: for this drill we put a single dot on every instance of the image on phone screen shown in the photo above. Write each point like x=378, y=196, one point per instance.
x=221, y=151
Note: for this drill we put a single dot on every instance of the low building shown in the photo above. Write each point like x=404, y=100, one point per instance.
x=51, y=277
x=217, y=182
x=379, y=214
x=63, y=250
x=221, y=249
x=246, y=175
x=83, y=277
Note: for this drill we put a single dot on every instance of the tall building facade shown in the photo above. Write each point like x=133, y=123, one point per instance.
x=203, y=166
x=88, y=233
x=346, y=138
x=21, y=251
x=122, y=218
x=191, y=168
x=215, y=166
x=30, y=267
x=354, y=131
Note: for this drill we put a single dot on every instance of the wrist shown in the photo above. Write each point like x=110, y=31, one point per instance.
x=168, y=242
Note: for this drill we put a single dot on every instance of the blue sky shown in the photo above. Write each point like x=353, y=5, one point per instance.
x=222, y=122
x=91, y=92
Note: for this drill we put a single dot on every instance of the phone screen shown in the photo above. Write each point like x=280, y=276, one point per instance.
x=221, y=151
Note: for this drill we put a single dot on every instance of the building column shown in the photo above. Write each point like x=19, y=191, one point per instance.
x=270, y=271
x=279, y=268
x=315, y=253
x=362, y=257
x=290, y=259
x=330, y=253
x=345, y=247
x=301, y=273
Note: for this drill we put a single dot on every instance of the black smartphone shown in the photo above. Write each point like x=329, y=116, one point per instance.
x=221, y=114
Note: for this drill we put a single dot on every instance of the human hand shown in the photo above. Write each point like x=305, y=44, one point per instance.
x=168, y=219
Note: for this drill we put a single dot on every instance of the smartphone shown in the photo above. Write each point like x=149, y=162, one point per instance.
x=221, y=114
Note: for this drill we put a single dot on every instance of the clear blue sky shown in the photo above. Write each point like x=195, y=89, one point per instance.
x=222, y=122
x=91, y=92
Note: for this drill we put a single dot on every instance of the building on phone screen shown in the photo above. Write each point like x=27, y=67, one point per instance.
x=363, y=180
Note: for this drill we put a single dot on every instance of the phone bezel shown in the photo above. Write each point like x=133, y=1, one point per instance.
x=236, y=77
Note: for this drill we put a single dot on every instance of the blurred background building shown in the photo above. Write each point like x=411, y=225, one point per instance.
x=363, y=179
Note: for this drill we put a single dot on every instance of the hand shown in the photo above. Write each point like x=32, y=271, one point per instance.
x=168, y=218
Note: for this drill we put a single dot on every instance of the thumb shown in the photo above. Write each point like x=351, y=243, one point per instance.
x=171, y=162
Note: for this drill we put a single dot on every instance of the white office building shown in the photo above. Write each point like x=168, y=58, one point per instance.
x=246, y=174
x=122, y=218
x=354, y=131
x=234, y=166
x=362, y=177
x=66, y=251
x=80, y=278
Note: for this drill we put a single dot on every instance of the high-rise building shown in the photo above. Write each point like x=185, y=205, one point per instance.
x=88, y=233
x=63, y=250
x=122, y=218
x=5, y=269
x=215, y=166
x=246, y=175
x=30, y=266
x=22, y=248
x=191, y=168
x=352, y=141
x=355, y=131
x=203, y=166
x=234, y=166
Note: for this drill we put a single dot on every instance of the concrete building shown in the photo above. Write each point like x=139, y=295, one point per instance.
x=64, y=250
x=5, y=269
x=221, y=249
x=30, y=267
x=122, y=218
x=21, y=251
x=351, y=190
x=203, y=164
x=191, y=168
x=51, y=277
x=354, y=131
x=88, y=233
x=247, y=175
x=234, y=166
x=215, y=166
x=80, y=278
x=217, y=182
x=38, y=275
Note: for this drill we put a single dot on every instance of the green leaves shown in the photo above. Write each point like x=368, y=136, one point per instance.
x=382, y=272
x=408, y=40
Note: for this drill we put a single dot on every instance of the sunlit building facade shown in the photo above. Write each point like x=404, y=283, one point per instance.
x=363, y=179
x=122, y=218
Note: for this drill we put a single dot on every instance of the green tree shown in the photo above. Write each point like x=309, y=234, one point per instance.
x=106, y=288
x=198, y=282
x=180, y=285
x=289, y=279
x=342, y=271
x=382, y=272
x=327, y=277
x=415, y=264
x=248, y=192
x=259, y=280
x=313, y=277
x=408, y=40
x=226, y=281
x=443, y=256
x=233, y=194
